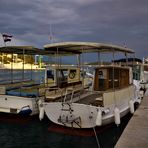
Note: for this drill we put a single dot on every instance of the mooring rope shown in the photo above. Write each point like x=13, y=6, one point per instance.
x=97, y=140
x=98, y=144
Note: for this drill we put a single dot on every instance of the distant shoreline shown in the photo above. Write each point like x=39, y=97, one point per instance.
x=19, y=66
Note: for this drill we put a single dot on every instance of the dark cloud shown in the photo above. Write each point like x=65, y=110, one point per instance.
x=111, y=21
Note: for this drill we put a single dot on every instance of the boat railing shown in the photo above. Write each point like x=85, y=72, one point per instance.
x=54, y=93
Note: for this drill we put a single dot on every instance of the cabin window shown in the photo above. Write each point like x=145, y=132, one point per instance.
x=136, y=72
x=113, y=78
x=62, y=77
x=66, y=77
x=100, y=79
x=50, y=74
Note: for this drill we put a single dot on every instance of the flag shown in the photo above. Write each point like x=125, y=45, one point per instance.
x=6, y=37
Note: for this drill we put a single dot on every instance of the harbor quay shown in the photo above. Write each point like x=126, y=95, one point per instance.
x=136, y=132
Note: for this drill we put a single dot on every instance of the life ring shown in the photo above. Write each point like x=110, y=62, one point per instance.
x=72, y=75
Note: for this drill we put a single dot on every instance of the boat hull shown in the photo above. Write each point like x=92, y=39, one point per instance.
x=83, y=116
x=80, y=115
x=23, y=106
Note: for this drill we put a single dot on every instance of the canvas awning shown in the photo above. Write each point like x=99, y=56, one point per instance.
x=29, y=50
x=84, y=47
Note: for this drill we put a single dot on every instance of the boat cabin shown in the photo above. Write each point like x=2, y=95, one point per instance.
x=111, y=77
x=62, y=81
x=63, y=76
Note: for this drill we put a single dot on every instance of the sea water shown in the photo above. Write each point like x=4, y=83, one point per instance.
x=32, y=133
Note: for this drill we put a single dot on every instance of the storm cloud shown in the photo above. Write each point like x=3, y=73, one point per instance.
x=122, y=22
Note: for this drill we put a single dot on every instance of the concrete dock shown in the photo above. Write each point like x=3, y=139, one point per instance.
x=135, y=135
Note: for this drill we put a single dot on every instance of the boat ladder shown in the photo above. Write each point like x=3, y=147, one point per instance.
x=69, y=91
x=67, y=116
x=67, y=101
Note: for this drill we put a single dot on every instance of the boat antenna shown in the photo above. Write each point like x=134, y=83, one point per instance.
x=51, y=34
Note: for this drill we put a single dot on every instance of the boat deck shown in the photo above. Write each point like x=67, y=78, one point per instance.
x=24, y=89
x=91, y=98
x=17, y=84
x=82, y=96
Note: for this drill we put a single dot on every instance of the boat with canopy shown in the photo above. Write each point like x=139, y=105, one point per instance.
x=18, y=94
x=111, y=96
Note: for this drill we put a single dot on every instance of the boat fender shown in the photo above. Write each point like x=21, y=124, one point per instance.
x=99, y=118
x=25, y=110
x=117, y=116
x=141, y=94
x=40, y=104
x=41, y=113
x=146, y=86
x=106, y=111
x=131, y=106
x=138, y=101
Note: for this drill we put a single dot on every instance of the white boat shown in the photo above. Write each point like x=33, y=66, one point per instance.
x=12, y=99
x=111, y=96
x=145, y=64
x=18, y=105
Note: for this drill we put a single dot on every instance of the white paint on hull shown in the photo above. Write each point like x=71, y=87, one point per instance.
x=87, y=114
x=14, y=104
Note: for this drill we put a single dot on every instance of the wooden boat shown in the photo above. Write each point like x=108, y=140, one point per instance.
x=111, y=96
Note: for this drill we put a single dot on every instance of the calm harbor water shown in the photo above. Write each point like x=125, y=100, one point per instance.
x=32, y=133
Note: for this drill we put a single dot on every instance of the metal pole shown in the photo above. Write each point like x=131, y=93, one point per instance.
x=113, y=70
x=126, y=59
x=82, y=65
x=99, y=59
x=57, y=59
x=4, y=46
x=78, y=60
x=114, y=76
x=31, y=68
x=12, y=68
x=78, y=65
x=23, y=63
x=2, y=53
